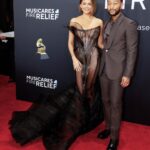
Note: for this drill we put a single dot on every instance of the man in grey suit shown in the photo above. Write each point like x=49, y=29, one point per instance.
x=116, y=69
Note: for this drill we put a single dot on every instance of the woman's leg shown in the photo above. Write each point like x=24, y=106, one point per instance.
x=92, y=73
x=79, y=81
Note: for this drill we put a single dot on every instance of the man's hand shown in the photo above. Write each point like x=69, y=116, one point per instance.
x=125, y=81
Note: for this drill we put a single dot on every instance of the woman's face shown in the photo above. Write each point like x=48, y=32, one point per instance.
x=86, y=7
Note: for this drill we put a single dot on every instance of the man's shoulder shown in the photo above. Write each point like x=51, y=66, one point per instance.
x=129, y=23
x=129, y=20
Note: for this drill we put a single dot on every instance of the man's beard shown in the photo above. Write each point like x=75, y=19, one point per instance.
x=114, y=14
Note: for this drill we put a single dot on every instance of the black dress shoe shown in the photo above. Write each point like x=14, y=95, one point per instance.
x=113, y=144
x=104, y=134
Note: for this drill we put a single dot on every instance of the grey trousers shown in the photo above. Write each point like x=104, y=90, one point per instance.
x=112, y=104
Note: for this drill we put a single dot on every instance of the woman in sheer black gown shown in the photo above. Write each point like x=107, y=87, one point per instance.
x=64, y=116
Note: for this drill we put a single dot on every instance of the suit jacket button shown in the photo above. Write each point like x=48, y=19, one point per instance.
x=106, y=50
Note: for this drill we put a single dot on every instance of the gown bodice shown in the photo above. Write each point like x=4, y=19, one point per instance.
x=86, y=47
x=85, y=39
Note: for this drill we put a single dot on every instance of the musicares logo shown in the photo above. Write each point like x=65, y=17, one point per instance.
x=42, y=82
x=42, y=13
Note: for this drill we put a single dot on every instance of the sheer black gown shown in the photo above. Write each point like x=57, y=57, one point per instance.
x=62, y=117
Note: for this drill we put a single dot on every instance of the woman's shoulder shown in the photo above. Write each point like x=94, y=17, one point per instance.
x=75, y=19
x=72, y=22
x=98, y=21
x=75, y=22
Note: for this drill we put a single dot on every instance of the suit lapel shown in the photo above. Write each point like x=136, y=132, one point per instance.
x=114, y=31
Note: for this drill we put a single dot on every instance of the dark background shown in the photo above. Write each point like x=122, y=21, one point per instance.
x=6, y=18
x=59, y=66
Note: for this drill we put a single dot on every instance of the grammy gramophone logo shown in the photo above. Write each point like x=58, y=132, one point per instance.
x=41, y=49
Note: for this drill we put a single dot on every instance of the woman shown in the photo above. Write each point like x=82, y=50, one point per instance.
x=85, y=55
x=63, y=117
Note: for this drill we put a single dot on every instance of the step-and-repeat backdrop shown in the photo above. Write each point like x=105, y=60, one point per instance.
x=43, y=63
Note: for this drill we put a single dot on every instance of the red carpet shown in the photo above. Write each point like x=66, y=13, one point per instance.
x=133, y=136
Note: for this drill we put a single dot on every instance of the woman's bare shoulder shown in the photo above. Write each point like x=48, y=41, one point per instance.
x=75, y=19
x=99, y=21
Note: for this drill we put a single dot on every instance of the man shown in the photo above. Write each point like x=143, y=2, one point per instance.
x=116, y=69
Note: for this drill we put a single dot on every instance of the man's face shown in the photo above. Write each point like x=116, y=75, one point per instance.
x=114, y=7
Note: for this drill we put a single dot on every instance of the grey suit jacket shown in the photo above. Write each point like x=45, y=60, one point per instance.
x=119, y=53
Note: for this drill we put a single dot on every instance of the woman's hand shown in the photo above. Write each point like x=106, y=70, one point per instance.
x=76, y=64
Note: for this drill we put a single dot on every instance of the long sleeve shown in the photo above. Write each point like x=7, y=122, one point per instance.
x=132, y=46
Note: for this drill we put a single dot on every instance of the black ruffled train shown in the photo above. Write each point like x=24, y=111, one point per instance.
x=59, y=120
